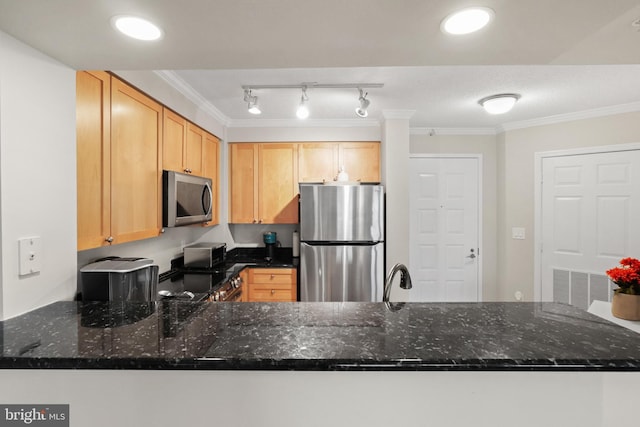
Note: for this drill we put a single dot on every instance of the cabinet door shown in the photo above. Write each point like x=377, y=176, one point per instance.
x=361, y=160
x=211, y=169
x=278, y=183
x=136, y=164
x=193, y=149
x=175, y=133
x=317, y=161
x=243, y=185
x=93, y=93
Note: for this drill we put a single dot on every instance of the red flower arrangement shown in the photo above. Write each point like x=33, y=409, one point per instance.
x=626, y=276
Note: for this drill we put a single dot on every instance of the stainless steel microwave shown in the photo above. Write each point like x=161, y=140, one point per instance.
x=186, y=199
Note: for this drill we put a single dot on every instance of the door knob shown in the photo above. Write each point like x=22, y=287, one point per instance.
x=472, y=255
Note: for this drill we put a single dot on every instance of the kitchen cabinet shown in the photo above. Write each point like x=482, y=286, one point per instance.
x=211, y=169
x=318, y=161
x=361, y=160
x=93, y=149
x=321, y=161
x=119, y=141
x=183, y=144
x=263, y=183
x=272, y=285
x=136, y=164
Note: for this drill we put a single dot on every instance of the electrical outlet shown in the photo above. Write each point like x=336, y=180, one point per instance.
x=30, y=255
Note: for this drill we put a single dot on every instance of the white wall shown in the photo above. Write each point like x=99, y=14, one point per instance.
x=319, y=399
x=516, y=150
x=37, y=175
x=473, y=144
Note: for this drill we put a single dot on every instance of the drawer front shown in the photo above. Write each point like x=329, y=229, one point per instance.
x=271, y=295
x=272, y=276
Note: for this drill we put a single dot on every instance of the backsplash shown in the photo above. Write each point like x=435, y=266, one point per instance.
x=250, y=235
x=160, y=249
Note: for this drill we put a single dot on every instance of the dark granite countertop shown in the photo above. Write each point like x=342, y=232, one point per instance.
x=316, y=336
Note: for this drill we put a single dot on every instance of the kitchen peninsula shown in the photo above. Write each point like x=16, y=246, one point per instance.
x=239, y=354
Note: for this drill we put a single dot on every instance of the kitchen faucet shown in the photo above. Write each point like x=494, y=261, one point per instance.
x=405, y=280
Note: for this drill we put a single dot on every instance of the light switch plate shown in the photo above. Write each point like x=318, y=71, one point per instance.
x=517, y=233
x=30, y=255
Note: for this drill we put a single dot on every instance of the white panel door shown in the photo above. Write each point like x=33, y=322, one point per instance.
x=590, y=212
x=444, y=229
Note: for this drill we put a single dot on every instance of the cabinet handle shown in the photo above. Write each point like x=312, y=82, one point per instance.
x=109, y=239
x=273, y=276
x=254, y=221
x=273, y=291
x=260, y=221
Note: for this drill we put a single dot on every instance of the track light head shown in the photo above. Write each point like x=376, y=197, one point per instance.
x=361, y=111
x=303, y=110
x=252, y=102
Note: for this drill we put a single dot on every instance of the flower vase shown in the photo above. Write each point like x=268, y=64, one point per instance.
x=625, y=306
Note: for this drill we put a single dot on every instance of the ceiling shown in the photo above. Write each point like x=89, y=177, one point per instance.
x=562, y=56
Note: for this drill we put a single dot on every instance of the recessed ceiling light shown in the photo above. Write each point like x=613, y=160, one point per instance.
x=137, y=28
x=499, y=104
x=467, y=21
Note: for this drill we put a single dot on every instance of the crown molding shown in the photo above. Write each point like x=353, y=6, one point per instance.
x=184, y=88
x=452, y=131
x=397, y=114
x=296, y=123
x=569, y=117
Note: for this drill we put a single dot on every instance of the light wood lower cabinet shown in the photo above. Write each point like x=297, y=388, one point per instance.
x=271, y=285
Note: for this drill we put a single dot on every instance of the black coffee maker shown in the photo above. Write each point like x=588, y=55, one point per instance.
x=270, y=242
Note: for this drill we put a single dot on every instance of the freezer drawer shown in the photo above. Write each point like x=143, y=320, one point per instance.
x=341, y=272
x=345, y=213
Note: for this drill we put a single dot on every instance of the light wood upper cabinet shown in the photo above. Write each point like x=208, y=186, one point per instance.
x=136, y=164
x=263, y=185
x=175, y=134
x=93, y=135
x=211, y=169
x=361, y=160
x=321, y=161
x=243, y=183
x=193, y=149
x=278, y=184
x=317, y=161
x=183, y=144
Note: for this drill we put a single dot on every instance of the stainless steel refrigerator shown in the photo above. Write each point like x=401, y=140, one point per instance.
x=341, y=242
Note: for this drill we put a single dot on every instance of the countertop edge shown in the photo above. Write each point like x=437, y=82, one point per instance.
x=214, y=364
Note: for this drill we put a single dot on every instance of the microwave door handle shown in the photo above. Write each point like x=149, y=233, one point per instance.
x=207, y=209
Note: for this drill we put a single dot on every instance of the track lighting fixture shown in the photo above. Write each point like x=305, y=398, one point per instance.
x=361, y=111
x=303, y=110
x=252, y=102
x=499, y=104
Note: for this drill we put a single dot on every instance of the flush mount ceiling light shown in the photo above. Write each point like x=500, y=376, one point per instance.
x=361, y=111
x=137, y=28
x=499, y=104
x=303, y=109
x=252, y=102
x=467, y=21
